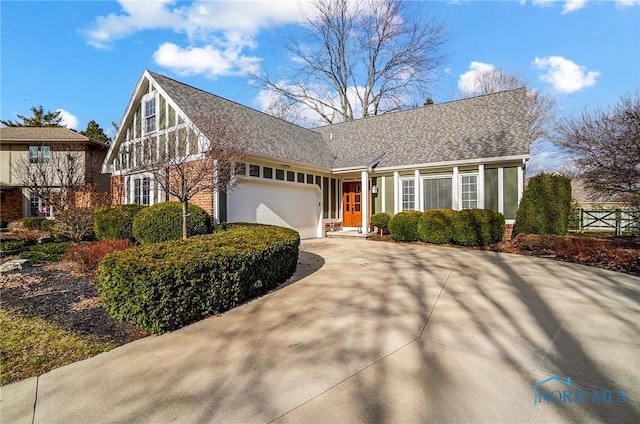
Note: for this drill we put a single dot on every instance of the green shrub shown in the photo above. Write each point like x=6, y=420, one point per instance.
x=225, y=226
x=50, y=252
x=33, y=222
x=163, y=222
x=434, y=226
x=477, y=227
x=48, y=225
x=545, y=206
x=115, y=222
x=13, y=247
x=380, y=219
x=403, y=226
x=165, y=286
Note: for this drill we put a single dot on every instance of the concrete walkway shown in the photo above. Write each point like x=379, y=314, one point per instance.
x=375, y=332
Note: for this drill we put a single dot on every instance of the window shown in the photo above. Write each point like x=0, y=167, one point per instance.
x=437, y=193
x=318, y=180
x=39, y=154
x=309, y=179
x=240, y=168
x=150, y=115
x=300, y=177
x=142, y=191
x=291, y=176
x=38, y=207
x=280, y=174
x=469, y=191
x=408, y=194
x=267, y=173
x=254, y=170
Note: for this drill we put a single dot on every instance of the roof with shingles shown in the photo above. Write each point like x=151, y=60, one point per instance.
x=493, y=125
x=270, y=136
x=40, y=134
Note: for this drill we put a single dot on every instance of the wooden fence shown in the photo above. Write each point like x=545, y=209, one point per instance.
x=617, y=221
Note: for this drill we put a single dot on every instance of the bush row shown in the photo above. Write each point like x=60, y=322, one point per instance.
x=165, y=286
x=469, y=227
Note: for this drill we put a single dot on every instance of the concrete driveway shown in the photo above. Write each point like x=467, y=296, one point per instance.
x=376, y=332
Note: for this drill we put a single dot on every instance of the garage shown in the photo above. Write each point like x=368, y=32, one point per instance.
x=288, y=205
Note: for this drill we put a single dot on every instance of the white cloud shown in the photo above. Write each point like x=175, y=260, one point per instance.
x=564, y=75
x=573, y=5
x=209, y=61
x=467, y=82
x=68, y=120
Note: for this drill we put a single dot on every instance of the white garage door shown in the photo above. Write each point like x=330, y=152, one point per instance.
x=287, y=206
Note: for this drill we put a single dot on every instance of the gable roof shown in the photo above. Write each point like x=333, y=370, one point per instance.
x=271, y=136
x=489, y=126
x=40, y=134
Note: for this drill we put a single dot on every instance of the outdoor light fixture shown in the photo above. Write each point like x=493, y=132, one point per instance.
x=374, y=189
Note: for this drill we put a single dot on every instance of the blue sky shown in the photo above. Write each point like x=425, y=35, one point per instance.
x=86, y=57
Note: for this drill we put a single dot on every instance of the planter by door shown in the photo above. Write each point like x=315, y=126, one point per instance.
x=352, y=204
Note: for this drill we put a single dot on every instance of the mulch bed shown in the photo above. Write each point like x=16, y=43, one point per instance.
x=60, y=294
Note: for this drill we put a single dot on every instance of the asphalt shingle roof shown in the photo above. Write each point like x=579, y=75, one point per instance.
x=271, y=136
x=40, y=134
x=493, y=125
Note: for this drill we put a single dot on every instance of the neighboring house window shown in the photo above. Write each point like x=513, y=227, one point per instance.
x=408, y=194
x=150, y=115
x=142, y=191
x=38, y=207
x=39, y=154
x=469, y=191
x=437, y=193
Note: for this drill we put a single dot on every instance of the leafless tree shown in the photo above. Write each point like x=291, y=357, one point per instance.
x=605, y=146
x=359, y=58
x=201, y=156
x=541, y=108
x=54, y=172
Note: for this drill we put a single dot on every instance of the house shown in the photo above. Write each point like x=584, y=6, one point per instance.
x=462, y=154
x=42, y=149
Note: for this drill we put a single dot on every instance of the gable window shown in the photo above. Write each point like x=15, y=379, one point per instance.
x=408, y=194
x=150, y=115
x=437, y=193
x=469, y=191
x=39, y=154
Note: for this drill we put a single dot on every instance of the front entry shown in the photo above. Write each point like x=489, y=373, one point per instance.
x=352, y=204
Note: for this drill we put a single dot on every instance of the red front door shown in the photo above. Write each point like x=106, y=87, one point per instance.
x=352, y=204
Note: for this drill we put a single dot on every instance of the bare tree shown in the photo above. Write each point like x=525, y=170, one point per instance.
x=360, y=58
x=605, y=146
x=541, y=108
x=54, y=172
x=197, y=157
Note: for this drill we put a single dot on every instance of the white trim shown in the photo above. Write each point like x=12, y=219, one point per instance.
x=417, y=197
x=467, y=174
x=454, y=163
x=400, y=196
x=382, y=189
x=501, y=190
x=396, y=185
x=480, y=187
x=455, y=190
x=364, y=208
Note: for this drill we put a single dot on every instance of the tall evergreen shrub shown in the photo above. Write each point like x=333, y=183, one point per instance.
x=545, y=206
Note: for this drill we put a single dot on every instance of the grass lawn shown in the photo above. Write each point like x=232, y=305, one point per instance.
x=32, y=346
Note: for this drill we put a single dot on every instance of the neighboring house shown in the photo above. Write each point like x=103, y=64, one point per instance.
x=40, y=146
x=468, y=153
x=587, y=199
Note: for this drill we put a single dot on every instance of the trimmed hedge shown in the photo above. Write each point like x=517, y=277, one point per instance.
x=434, y=226
x=403, y=226
x=380, y=219
x=115, y=222
x=165, y=286
x=477, y=227
x=163, y=222
x=545, y=206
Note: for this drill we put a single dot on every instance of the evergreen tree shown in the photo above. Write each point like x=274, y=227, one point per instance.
x=40, y=118
x=94, y=132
